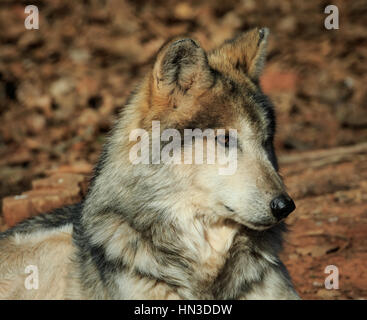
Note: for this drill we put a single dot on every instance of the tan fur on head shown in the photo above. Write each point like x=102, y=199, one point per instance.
x=246, y=52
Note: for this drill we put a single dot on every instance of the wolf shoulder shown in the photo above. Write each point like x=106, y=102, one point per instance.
x=34, y=256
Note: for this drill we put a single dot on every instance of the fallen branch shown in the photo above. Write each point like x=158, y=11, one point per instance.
x=330, y=155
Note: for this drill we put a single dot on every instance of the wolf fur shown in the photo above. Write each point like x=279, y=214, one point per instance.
x=169, y=231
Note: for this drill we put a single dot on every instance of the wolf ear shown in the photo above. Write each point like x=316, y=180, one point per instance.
x=181, y=64
x=247, y=51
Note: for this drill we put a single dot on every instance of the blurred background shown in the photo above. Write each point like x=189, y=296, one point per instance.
x=62, y=85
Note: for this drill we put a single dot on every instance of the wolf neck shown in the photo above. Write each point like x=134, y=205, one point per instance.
x=195, y=259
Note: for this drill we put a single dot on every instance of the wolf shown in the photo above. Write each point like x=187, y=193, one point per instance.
x=167, y=231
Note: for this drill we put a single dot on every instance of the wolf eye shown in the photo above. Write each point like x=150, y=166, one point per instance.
x=223, y=140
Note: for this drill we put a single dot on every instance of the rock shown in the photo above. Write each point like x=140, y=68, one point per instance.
x=58, y=190
x=16, y=209
x=59, y=180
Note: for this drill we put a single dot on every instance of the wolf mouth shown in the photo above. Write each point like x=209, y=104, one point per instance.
x=252, y=225
x=229, y=209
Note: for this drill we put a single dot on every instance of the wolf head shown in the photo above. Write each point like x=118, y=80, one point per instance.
x=188, y=88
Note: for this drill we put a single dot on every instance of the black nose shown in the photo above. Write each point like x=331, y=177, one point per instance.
x=282, y=206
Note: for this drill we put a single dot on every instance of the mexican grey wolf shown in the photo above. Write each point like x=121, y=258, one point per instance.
x=170, y=231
